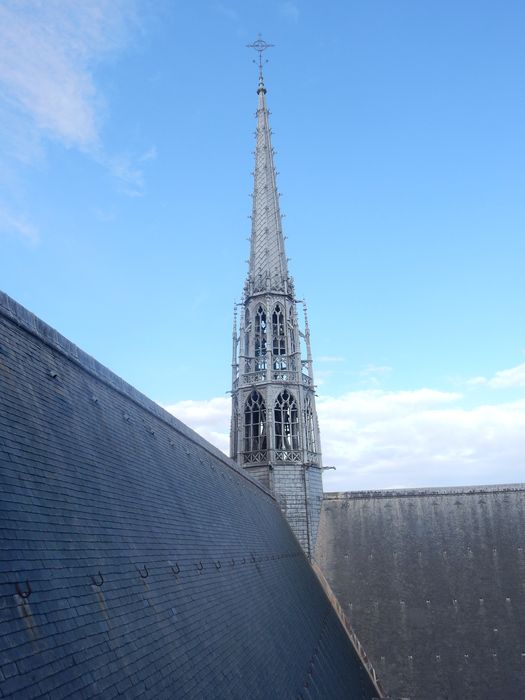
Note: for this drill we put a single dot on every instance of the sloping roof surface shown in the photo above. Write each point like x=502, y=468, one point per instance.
x=135, y=559
x=433, y=583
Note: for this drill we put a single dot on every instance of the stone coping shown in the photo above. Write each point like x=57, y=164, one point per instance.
x=418, y=492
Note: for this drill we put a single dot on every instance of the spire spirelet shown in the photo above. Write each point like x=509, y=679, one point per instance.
x=268, y=271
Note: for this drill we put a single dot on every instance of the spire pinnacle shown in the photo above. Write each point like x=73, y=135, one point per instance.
x=268, y=271
x=260, y=45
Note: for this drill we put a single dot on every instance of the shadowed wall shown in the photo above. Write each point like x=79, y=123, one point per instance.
x=433, y=583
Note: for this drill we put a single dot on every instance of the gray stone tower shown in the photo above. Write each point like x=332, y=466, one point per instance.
x=274, y=428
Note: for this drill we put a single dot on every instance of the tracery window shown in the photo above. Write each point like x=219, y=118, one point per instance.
x=260, y=338
x=292, y=330
x=309, y=422
x=278, y=338
x=286, y=422
x=254, y=423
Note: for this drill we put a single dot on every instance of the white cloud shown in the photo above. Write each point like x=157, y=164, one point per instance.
x=508, y=378
x=375, y=404
x=48, y=53
x=210, y=418
x=380, y=439
x=511, y=378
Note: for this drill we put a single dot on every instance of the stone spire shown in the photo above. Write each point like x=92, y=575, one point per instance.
x=274, y=429
x=268, y=267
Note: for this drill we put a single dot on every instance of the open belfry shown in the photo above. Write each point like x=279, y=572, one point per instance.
x=274, y=428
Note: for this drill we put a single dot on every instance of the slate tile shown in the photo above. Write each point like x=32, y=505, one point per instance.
x=117, y=499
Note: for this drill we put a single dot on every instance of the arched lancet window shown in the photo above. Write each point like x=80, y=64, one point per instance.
x=247, y=338
x=309, y=422
x=260, y=338
x=278, y=331
x=254, y=424
x=278, y=338
x=292, y=330
x=286, y=422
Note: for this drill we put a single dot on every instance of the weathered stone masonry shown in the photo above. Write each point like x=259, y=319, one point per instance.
x=432, y=582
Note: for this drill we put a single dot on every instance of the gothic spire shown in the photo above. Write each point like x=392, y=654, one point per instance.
x=268, y=270
x=274, y=430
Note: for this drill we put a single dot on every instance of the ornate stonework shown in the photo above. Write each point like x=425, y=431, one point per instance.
x=274, y=430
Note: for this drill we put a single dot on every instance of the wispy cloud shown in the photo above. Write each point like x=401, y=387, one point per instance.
x=372, y=375
x=48, y=52
x=507, y=378
x=104, y=215
x=511, y=378
x=330, y=358
x=475, y=381
x=150, y=154
x=129, y=177
x=372, y=369
x=14, y=224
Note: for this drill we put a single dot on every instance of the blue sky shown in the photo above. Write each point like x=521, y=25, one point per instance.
x=126, y=132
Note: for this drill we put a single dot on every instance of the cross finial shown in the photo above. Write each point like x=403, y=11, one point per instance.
x=260, y=45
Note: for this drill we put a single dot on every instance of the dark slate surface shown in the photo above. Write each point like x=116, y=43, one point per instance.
x=155, y=567
x=433, y=582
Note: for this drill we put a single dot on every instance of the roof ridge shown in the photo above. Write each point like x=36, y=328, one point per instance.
x=22, y=317
x=415, y=492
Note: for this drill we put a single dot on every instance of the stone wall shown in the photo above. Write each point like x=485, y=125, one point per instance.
x=299, y=491
x=432, y=582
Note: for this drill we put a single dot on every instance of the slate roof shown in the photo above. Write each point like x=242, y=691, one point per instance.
x=433, y=583
x=136, y=560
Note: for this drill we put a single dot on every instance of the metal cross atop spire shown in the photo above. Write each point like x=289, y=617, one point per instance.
x=260, y=45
